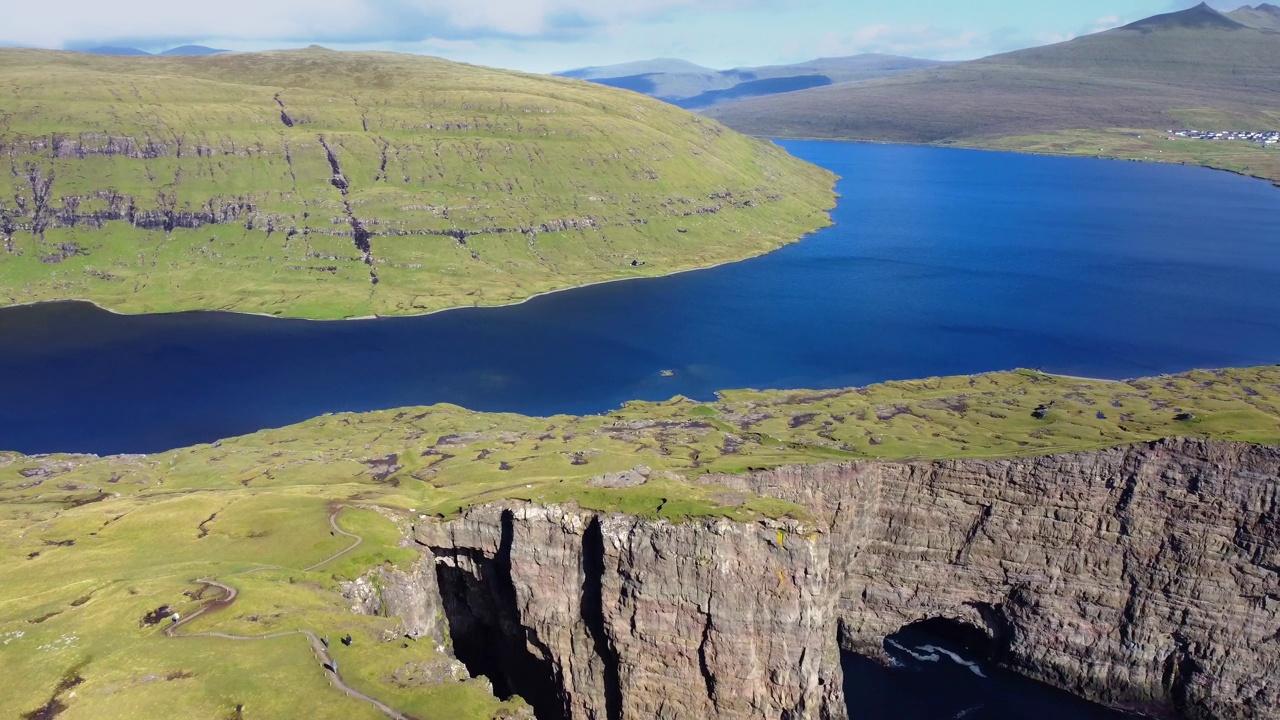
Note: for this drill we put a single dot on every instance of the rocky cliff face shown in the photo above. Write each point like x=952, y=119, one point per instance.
x=412, y=596
x=1144, y=577
x=602, y=618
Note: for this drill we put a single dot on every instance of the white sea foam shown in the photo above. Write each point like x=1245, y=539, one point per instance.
x=932, y=657
x=933, y=653
x=966, y=713
x=973, y=666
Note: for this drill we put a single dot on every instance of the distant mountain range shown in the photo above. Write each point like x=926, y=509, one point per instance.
x=693, y=86
x=184, y=50
x=1182, y=69
x=1264, y=16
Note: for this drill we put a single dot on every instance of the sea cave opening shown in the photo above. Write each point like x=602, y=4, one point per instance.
x=955, y=635
x=947, y=668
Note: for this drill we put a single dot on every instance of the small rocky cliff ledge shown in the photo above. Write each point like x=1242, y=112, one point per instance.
x=1145, y=577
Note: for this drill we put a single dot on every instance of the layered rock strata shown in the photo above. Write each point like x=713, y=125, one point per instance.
x=1145, y=577
x=601, y=618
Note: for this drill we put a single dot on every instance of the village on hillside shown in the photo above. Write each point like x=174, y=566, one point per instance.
x=1266, y=137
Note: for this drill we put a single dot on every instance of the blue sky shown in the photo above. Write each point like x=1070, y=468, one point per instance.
x=548, y=35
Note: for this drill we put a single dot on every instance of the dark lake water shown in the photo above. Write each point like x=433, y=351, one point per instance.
x=941, y=262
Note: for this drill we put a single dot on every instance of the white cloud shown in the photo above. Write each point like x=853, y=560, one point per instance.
x=56, y=23
x=916, y=40
x=1102, y=24
x=1054, y=38
x=1106, y=23
x=530, y=34
x=53, y=23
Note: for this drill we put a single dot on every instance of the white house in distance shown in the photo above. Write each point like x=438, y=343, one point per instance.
x=1265, y=137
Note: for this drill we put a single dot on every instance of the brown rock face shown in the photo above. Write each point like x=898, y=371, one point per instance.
x=602, y=618
x=1145, y=577
x=413, y=596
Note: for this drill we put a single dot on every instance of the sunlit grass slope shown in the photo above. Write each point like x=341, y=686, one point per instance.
x=322, y=184
x=1151, y=145
x=89, y=546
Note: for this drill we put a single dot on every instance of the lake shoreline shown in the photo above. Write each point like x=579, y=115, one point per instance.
x=1040, y=153
x=721, y=398
x=428, y=313
x=936, y=265
x=831, y=223
x=956, y=146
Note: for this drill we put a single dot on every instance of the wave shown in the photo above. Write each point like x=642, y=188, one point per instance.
x=933, y=653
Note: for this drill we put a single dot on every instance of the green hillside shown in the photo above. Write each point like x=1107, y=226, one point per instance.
x=94, y=548
x=321, y=184
x=1191, y=69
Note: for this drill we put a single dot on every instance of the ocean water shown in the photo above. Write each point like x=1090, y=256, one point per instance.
x=936, y=678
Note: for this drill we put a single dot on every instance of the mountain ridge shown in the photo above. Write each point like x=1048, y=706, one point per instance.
x=192, y=51
x=1265, y=16
x=693, y=86
x=1200, y=16
x=180, y=51
x=639, y=67
x=114, y=50
x=1195, y=68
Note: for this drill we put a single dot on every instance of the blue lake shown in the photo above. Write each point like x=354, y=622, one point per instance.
x=941, y=262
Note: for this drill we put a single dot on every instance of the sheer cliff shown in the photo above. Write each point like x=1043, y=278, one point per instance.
x=1145, y=577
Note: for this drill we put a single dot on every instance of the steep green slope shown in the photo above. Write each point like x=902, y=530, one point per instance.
x=92, y=546
x=1195, y=68
x=321, y=184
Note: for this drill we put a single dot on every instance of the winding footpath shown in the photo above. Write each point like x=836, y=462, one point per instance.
x=333, y=523
x=318, y=648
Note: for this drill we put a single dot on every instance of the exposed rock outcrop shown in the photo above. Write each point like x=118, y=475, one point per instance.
x=603, y=618
x=411, y=596
x=634, y=477
x=1145, y=577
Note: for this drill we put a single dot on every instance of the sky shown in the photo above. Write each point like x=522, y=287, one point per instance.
x=551, y=35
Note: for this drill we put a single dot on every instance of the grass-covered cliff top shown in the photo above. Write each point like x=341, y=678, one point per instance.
x=322, y=184
x=92, y=545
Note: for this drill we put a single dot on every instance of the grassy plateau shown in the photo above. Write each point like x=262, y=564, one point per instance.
x=93, y=546
x=321, y=184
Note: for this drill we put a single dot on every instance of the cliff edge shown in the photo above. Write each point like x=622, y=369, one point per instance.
x=1145, y=577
